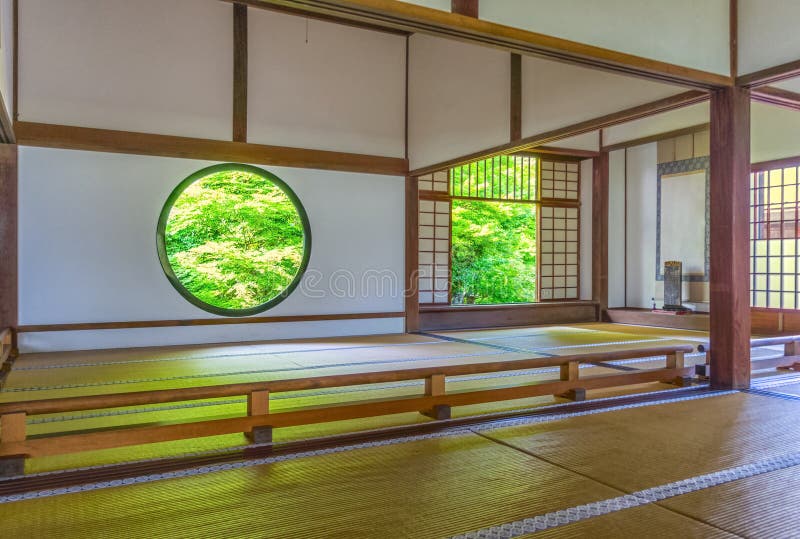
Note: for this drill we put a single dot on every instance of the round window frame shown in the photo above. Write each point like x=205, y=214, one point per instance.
x=161, y=247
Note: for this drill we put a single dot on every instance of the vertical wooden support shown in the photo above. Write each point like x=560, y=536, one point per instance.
x=675, y=360
x=516, y=98
x=729, y=245
x=571, y=372
x=412, y=254
x=258, y=404
x=8, y=237
x=239, y=73
x=12, y=429
x=465, y=7
x=791, y=348
x=600, y=233
x=434, y=387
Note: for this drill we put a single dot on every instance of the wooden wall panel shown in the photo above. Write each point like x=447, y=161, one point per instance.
x=484, y=316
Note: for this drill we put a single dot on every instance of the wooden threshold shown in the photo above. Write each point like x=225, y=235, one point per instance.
x=447, y=317
x=645, y=317
x=128, y=142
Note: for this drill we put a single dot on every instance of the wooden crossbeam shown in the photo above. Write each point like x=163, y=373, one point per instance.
x=776, y=96
x=770, y=75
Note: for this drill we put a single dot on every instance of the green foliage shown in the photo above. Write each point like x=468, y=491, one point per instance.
x=234, y=239
x=493, y=252
x=500, y=177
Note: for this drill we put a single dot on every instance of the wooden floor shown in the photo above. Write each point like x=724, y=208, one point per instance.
x=51, y=375
x=609, y=473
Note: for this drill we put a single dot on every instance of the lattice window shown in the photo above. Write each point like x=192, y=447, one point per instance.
x=560, y=180
x=774, y=235
x=436, y=182
x=559, y=243
x=434, y=251
x=503, y=177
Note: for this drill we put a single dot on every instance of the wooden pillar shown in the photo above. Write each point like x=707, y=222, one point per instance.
x=516, y=98
x=729, y=245
x=239, y=73
x=465, y=7
x=600, y=232
x=412, y=254
x=8, y=236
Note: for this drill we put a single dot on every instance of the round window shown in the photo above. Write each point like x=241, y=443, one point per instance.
x=233, y=239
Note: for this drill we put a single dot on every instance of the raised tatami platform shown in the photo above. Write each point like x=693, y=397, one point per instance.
x=706, y=465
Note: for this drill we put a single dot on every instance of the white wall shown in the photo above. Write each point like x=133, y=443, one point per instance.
x=7, y=54
x=616, y=229
x=587, y=141
x=767, y=33
x=658, y=124
x=149, y=65
x=641, y=259
x=458, y=99
x=683, y=32
x=342, y=90
x=88, y=254
x=555, y=95
x=774, y=132
x=586, y=230
x=443, y=5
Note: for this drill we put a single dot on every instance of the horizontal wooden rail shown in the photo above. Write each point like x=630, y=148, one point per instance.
x=790, y=357
x=15, y=446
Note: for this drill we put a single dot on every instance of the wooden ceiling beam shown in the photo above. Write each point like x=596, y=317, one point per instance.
x=770, y=75
x=548, y=137
x=776, y=96
x=415, y=18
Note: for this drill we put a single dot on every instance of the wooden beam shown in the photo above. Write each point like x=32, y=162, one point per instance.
x=660, y=136
x=9, y=273
x=84, y=326
x=600, y=233
x=543, y=139
x=468, y=8
x=416, y=18
x=770, y=75
x=240, y=73
x=730, y=251
x=516, y=98
x=105, y=140
x=412, y=254
x=733, y=34
x=776, y=96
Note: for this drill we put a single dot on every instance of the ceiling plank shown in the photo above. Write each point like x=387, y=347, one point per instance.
x=415, y=18
x=548, y=137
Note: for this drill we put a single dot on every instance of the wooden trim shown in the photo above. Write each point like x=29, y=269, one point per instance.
x=515, y=113
x=412, y=254
x=15, y=65
x=86, y=326
x=645, y=317
x=733, y=35
x=320, y=17
x=730, y=248
x=776, y=96
x=660, y=136
x=600, y=171
x=770, y=75
x=105, y=140
x=568, y=154
x=447, y=317
x=240, y=72
x=405, y=101
x=776, y=163
x=416, y=18
x=468, y=8
x=9, y=223
x=542, y=139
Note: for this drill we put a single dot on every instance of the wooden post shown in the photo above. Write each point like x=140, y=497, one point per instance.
x=675, y=360
x=791, y=348
x=465, y=7
x=12, y=429
x=571, y=372
x=412, y=254
x=239, y=73
x=258, y=404
x=600, y=233
x=516, y=98
x=729, y=245
x=434, y=387
x=8, y=237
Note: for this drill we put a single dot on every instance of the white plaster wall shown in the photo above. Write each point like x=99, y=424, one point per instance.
x=148, y=66
x=586, y=230
x=658, y=124
x=587, y=141
x=458, y=99
x=7, y=54
x=616, y=229
x=767, y=33
x=555, y=95
x=641, y=259
x=443, y=5
x=683, y=32
x=342, y=90
x=774, y=132
x=87, y=243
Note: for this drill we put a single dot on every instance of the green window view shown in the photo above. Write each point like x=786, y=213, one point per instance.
x=233, y=239
x=493, y=254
